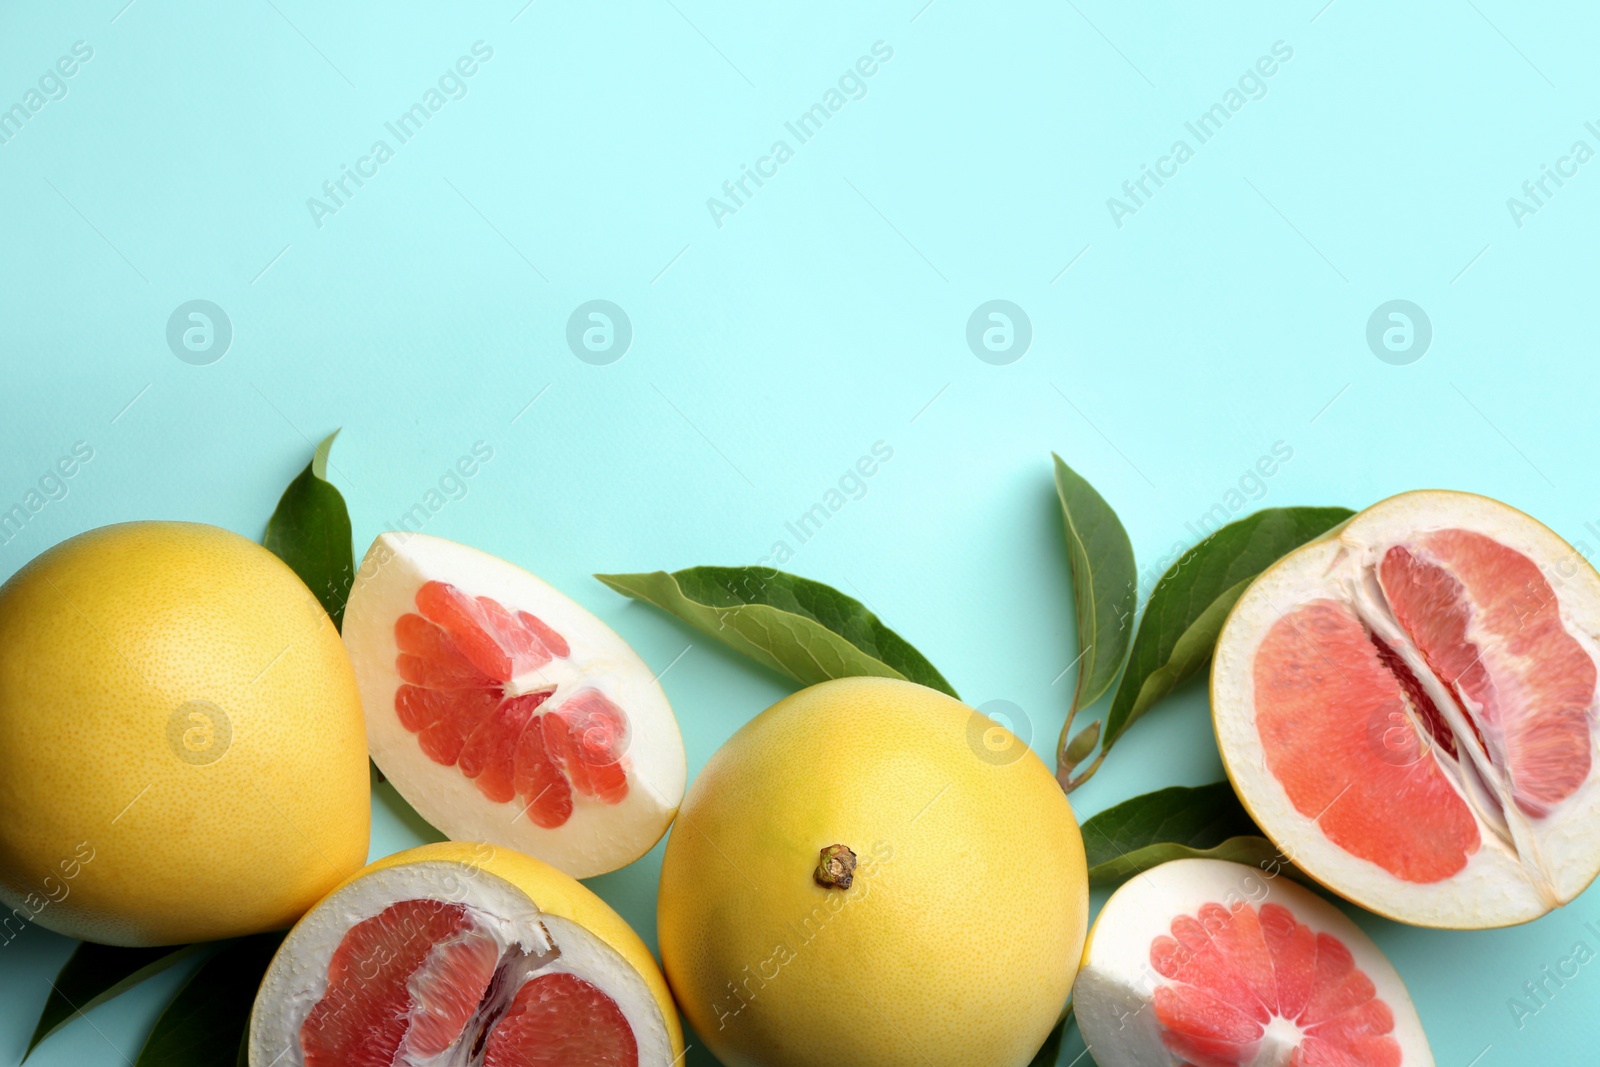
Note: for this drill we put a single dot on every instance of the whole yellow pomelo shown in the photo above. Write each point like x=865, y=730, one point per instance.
x=959, y=934
x=182, y=753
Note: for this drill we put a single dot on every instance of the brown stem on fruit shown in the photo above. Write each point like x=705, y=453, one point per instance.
x=837, y=868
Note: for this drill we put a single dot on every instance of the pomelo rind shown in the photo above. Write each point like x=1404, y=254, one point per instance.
x=1112, y=997
x=598, y=837
x=1492, y=891
x=522, y=901
x=958, y=826
x=208, y=713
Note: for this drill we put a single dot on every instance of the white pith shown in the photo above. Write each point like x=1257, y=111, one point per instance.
x=531, y=942
x=1114, y=993
x=1524, y=866
x=598, y=837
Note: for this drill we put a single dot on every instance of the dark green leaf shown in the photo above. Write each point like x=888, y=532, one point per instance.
x=1250, y=850
x=1169, y=824
x=92, y=975
x=1104, y=583
x=1199, y=817
x=804, y=629
x=1191, y=601
x=206, y=1021
x=310, y=531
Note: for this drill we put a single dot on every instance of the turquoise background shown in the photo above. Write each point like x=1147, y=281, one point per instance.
x=828, y=313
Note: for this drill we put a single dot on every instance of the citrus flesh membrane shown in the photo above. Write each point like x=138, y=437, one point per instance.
x=1407, y=707
x=458, y=953
x=174, y=705
x=870, y=872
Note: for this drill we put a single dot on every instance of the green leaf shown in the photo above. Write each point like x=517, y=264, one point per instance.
x=92, y=975
x=1198, y=817
x=310, y=531
x=1191, y=601
x=1104, y=583
x=206, y=1021
x=804, y=629
x=1169, y=824
x=1249, y=849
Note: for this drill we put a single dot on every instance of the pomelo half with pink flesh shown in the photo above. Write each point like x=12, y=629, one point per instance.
x=504, y=712
x=1215, y=964
x=461, y=953
x=1408, y=709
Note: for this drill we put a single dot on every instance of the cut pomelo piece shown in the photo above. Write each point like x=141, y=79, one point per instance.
x=1407, y=707
x=1208, y=963
x=463, y=954
x=504, y=712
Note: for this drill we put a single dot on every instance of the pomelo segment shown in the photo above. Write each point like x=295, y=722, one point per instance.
x=559, y=1019
x=504, y=712
x=463, y=954
x=1489, y=625
x=1215, y=964
x=410, y=976
x=1334, y=725
x=1408, y=709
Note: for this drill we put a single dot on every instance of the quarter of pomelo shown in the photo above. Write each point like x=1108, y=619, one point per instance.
x=1207, y=963
x=1407, y=708
x=872, y=873
x=458, y=953
x=504, y=712
x=181, y=748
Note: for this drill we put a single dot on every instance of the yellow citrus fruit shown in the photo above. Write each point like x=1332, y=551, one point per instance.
x=182, y=755
x=458, y=951
x=954, y=939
